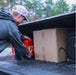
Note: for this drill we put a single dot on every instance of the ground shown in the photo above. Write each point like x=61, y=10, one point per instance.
x=9, y=65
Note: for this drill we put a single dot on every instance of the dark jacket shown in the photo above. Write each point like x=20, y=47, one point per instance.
x=9, y=33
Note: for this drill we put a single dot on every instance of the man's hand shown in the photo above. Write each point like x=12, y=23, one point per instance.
x=26, y=37
x=29, y=55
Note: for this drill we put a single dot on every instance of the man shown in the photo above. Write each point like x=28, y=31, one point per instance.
x=9, y=32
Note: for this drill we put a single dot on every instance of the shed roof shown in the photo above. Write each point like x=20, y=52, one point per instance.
x=60, y=21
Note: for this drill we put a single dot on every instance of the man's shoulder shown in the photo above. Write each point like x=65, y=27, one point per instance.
x=11, y=25
x=7, y=22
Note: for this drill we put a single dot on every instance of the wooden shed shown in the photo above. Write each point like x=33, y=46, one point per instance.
x=49, y=35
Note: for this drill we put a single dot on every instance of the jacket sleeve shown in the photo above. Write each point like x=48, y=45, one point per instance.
x=15, y=39
x=22, y=36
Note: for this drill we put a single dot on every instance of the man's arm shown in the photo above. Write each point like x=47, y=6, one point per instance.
x=15, y=40
x=23, y=37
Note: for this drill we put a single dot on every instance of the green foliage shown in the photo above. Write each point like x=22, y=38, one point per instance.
x=73, y=7
x=46, y=9
x=1, y=5
x=39, y=12
x=5, y=3
x=49, y=8
x=62, y=7
x=28, y=4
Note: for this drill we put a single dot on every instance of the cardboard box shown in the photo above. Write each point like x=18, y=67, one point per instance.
x=47, y=43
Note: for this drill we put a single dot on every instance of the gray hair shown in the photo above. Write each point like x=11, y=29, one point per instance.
x=14, y=13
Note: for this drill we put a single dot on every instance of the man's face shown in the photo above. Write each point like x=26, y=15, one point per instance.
x=19, y=19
